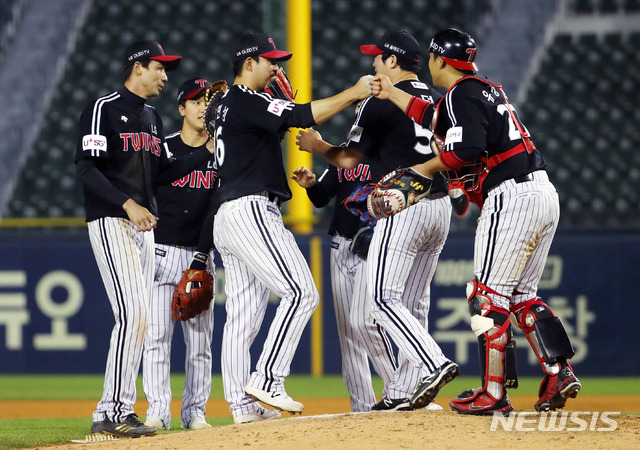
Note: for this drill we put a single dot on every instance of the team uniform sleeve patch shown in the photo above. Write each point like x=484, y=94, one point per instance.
x=355, y=134
x=454, y=135
x=96, y=144
x=277, y=106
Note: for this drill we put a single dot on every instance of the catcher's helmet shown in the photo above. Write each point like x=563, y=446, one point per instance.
x=456, y=48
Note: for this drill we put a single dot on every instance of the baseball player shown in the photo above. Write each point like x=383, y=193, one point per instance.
x=259, y=254
x=347, y=278
x=489, y=155
x=120, y=158
x=182, y=208
x=405, y=248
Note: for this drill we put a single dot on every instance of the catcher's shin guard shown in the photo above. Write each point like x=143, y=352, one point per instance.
x=545, y=333
x=491, y=325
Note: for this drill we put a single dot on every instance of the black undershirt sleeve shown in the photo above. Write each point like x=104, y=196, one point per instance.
x=95, y=181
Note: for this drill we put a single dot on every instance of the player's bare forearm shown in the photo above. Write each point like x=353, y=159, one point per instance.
x=344, y=157
x=326, y=108
x=382, y=88
x=311, y=141
x=431, y=167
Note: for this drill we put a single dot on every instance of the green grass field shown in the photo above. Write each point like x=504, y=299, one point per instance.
x=21, y=433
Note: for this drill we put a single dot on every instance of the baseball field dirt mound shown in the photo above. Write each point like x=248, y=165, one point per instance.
x=382, y=430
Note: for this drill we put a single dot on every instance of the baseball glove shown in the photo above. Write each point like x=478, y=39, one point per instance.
x=397, y=191
x=280, y=87
x=212, y=97
x=192, y=295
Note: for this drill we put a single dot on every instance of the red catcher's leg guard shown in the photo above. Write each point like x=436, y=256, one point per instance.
x=492, y=327
x=545, y=333
x=550, y=342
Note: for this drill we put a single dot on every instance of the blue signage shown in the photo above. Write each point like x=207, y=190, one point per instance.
x=55, y=316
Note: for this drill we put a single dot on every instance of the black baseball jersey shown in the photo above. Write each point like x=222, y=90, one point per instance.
x=184, y=203
x=248, y=152
x=389, y=138
x=475, y=120
x=121, y=138
x=340, y=183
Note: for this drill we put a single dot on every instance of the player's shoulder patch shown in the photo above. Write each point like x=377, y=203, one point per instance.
x=355, y=133
x=96, y=144
x=454, y=134
x=278, y=106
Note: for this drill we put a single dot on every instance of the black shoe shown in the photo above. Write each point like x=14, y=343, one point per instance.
x=97, y=427
x=130, y=427
x=389, y=404
x=431, y=385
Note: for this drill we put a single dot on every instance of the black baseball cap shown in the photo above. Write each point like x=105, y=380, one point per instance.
x=399, y=43
x=192, y=88
x=141, y=50
x=252, y=43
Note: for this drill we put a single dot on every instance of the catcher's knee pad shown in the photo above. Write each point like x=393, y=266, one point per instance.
x=544, y=331
x=491, y=325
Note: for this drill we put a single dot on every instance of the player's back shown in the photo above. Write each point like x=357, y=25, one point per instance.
x=479, y=109
x=248, y=150
x=389, y=138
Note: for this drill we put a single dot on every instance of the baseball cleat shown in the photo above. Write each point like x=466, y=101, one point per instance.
x=390, y=404
x=130, y=427
x=278, y=399
x=156, y=422
x=198, y=423
x=478, y=402
x=260, y=414
x=96, y=427
x=556, y=389
x=431, y=384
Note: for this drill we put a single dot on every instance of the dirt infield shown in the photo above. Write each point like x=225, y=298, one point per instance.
x=20, y=409
x=327, y=424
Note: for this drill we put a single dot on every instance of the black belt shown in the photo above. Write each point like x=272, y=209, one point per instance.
x=270, y=196
x=523, y=178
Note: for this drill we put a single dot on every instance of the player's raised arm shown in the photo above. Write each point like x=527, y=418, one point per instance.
x=311, y=141
x=416, y=108
x=326, y=108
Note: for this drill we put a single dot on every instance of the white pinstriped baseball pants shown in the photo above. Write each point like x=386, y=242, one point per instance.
x=260, y=255
x=514, y=234
x=125, y=261
x=402, y=260
x=348, y=284
x=171, y=262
